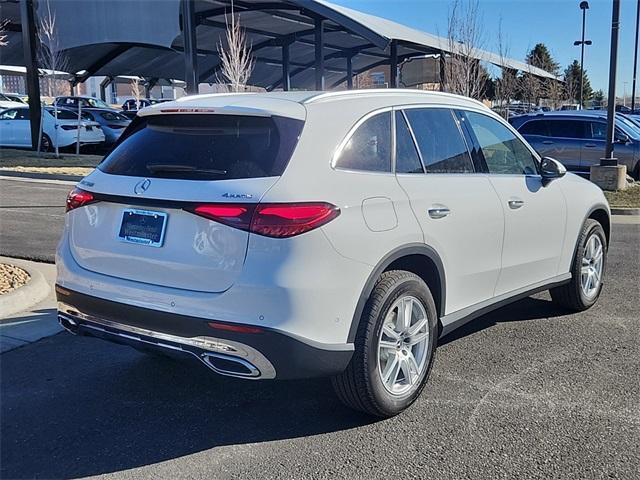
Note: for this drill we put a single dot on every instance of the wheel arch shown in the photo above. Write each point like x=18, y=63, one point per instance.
x=600, y=213
x=417, y=258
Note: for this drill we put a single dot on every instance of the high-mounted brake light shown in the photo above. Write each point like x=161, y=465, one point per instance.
x=79, y=198
x=277, y=220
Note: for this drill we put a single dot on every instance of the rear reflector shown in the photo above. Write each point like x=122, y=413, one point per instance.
x=79, y=198
x=235, y=328
x=277, y=220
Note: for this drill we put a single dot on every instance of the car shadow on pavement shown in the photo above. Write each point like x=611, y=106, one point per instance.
x=77, y=406
x=530, y=308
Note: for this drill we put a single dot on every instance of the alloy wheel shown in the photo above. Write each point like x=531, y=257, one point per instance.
x=403, y=345
x=591, y=267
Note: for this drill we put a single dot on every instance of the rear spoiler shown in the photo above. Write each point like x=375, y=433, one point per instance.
x=226, y=110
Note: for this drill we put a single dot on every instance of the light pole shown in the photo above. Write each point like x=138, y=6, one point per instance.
x=584, y=6
x=624, y=94
x=635, y=61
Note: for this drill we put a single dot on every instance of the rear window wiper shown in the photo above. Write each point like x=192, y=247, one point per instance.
x=168, y=168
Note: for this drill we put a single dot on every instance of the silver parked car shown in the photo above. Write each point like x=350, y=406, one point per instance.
x=577, y=139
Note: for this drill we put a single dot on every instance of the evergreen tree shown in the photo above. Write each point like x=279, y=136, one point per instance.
x=540, y=57
x=531, y=87
x=572, y=75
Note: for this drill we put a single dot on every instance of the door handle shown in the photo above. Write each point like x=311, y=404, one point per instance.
x=590, y=145
x=547, y=142
x=515, y=204
x=439, y=212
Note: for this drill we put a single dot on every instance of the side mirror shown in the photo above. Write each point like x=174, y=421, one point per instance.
x=622, y=138
x=550, y=169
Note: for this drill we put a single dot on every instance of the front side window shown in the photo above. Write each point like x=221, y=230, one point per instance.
x=503, y=152
x=369, y=148
x=407, y=158
x=597, y=130
x=441, y=144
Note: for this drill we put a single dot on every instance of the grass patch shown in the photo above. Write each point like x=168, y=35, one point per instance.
x=629, y=198
x=12, y=158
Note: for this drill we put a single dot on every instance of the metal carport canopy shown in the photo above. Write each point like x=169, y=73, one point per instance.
x=145, y=38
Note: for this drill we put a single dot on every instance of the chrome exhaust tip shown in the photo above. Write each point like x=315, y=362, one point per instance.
x=229, y=365
x=68, y=324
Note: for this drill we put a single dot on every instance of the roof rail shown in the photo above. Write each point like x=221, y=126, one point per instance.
x=388, y=91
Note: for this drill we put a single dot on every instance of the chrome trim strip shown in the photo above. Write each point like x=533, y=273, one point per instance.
x=250, y=358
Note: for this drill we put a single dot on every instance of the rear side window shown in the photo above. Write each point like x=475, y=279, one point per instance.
x=204, y=147
x=407, y=158
x=535, y=127
x=369, y=148
x=441, y=144
x=566, y=128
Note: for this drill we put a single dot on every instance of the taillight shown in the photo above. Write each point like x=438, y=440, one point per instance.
x=79, y=198
x=278, y=220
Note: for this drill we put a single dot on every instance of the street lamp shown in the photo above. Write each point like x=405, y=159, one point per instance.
x=584, y=6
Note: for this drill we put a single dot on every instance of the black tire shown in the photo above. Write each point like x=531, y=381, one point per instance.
x=360, y=386
x=571, y=295
x=45, y=143
x=636, y=172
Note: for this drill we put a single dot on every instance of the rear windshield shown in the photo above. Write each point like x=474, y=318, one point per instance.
x=204, y=147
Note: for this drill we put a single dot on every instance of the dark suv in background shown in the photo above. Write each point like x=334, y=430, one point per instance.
x=577, y=138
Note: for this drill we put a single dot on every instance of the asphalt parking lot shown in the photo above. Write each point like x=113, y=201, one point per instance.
x=524, y=392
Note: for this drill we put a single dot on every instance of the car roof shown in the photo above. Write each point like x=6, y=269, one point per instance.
x=294, y=104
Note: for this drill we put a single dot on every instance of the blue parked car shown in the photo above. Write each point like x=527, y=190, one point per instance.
x=112, y=122
x=577, y=138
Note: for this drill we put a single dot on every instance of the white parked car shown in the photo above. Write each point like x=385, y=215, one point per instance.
x=7, y=101
x=301, y=234
x=15, y=129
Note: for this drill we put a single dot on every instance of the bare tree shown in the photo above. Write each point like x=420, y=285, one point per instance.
x=531, y=87
x=50, y=54
x=236, y=58
x=507, y=84
x=136, y=91
x=463, y=72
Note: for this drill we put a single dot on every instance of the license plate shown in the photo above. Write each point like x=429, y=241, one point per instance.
x=89, y=128
x=143, y=227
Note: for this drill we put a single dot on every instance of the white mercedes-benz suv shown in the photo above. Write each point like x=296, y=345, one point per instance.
x=301, y=234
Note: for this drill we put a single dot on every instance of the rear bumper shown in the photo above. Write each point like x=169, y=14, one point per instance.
x=258, y=353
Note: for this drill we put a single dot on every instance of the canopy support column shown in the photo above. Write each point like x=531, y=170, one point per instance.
x=29, y=42
x=443, y=72
x=286, y=73
x=189, y=25
x=349, y=72
x=393, y=61
x=103, y=88
x=149, y=86
x=319, y=45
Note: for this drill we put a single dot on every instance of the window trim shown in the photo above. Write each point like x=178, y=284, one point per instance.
x=534, y=154
x=352, y=131
x=413, y=139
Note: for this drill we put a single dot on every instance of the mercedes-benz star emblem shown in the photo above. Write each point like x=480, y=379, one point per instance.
x=142, y=186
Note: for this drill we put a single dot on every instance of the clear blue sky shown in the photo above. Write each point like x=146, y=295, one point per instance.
x=527, y=22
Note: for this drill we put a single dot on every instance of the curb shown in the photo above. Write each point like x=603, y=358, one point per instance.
x=26, y=296
x=625, y=211
x=41, y=176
